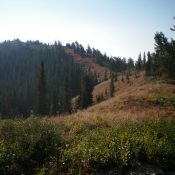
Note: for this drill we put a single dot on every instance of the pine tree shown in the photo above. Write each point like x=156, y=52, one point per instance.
x=66, y=106
x=112, y=88
x=115, y=76
x=105, y=76
x=127, y=77
x=144, y=60
x=101, y=97
x=122, y=79
x=86, y=97
x=130, y=65
x=43, y=106
x=89, y=51
x=54, y=104
x=148, y=67
x=139, y=62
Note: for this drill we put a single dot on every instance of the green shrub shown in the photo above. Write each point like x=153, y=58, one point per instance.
x=166, y=101
x=34, y=147
x=130, y=145
x=25, y=145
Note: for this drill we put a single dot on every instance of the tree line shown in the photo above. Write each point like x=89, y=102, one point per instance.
x=115, y=64
x=161, y=61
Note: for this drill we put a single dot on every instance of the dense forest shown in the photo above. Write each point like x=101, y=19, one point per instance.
x=33, y=73
x=42, y=79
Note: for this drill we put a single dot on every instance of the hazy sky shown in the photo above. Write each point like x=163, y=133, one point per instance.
x=117, y=27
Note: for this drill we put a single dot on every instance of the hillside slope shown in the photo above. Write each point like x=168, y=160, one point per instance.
x=138, y=100
x=131, y=133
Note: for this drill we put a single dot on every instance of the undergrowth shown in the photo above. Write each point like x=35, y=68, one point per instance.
x=26, y=145
x=34, y=147
x=166, y=101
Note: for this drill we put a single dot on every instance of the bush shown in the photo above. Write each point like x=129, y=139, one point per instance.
x=34, y=147
x=166, y=101
x=130, y=145
x=25, y=145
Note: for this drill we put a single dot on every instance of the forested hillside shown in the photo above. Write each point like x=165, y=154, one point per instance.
x=20, y=69
x=42, y=79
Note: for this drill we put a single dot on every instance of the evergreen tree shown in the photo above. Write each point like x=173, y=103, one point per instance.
x=105, y=76
x=86, y=92
x=122, y=79
x=101, y=97
x=66, y=106
x=20, y=71
x=43, y=107
x=112, y=88
x=115, y=77
x=127, y=77
x=55, y=109
x=139, y=62
x=130, y=65
x=164, y=59
x=148, y=67
x=144, y=60
x=89, y=51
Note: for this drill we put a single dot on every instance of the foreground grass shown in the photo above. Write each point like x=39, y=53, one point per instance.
x=33, y=146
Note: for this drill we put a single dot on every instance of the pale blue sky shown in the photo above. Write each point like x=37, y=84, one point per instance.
x=117, y=27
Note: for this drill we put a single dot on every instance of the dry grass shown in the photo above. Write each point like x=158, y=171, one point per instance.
x=128, y=104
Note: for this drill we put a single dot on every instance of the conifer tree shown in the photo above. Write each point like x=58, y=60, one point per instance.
x=148, y=67
x=130, y=65
x=139, y=62
x=112, y=88
x=144, y=60
x=43, y=106
x=85, y=99
x=54, y=104
x=122, y=79
x=127, y=77
x=89, y=51
x=115, y=77
x=105, y=76
x=66, y=96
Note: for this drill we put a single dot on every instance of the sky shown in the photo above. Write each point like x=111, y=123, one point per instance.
x=116, y=27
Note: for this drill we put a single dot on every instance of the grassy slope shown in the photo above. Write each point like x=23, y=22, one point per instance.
x=134, y=101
